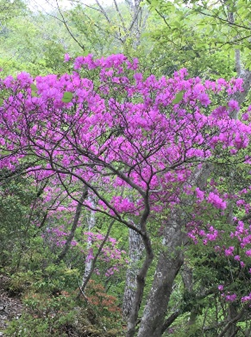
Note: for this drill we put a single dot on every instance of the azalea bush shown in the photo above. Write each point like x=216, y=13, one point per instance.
x=140, y=146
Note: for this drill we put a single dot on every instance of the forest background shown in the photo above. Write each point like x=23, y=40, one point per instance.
x=121, y=253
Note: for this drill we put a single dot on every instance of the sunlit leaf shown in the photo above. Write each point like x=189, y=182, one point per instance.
x=178, y=97
x=67, y=97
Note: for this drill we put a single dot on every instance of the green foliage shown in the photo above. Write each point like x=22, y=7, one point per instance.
x=205, y=34
x=16, y=228
x=67, y=97
x=178, y=97
x=52, y=311
x=44, y=316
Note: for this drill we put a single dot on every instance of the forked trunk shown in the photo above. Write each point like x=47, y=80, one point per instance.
x=169, y=264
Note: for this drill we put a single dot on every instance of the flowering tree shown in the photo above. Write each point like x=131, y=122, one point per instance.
x=144, y=148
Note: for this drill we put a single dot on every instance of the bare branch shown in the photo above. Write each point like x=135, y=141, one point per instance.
x=120, y=15
x=93, y=8
x=170, y=320
x=103, y=11
x=67, y=27
x=232, y=24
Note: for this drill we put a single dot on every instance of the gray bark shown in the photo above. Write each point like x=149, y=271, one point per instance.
x=232, y=313
x=135, y=253
x=241, y=96
x=138, y=21
x=169, y=263
x=87, y=277
x=91, y=221
x=136, y=25
x=141, y=276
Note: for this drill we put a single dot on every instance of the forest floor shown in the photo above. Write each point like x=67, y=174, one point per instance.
x=10, y=305
x=86, y=322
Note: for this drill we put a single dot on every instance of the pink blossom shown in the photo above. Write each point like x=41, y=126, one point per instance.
x=204, y=99
x=199, y=194
x=112, y=128
x=229, y=251
x=246, y=298
x=67, y=58
x=220, y=287
x=230, y=298
x=242, y=264
x=216, y=201
x=233, y=105
x=248, y=252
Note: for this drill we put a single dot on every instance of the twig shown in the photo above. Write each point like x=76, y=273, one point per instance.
x=67, y=27
x=103, y=11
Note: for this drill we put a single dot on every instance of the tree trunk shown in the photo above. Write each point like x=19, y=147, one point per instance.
x=169, y=263
x=232, y=313
x=91, y=221
x=135, y=252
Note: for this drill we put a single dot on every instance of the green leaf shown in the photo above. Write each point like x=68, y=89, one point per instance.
x=178, y=97
x=33, y=87
x=34, y=90
x=67, y=97
x=34, y=94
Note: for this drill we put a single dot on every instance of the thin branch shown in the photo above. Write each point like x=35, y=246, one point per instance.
x=94, y=24
x=93, y=8
x=170, y=320
x=135, y=18
x=103, y=11
x=83, y=286
x=161, y=15
x=120, y=15
x=74, y=226
x=175, y=315
x=235, y=41
x=234, y=320
x=233, y=24
x=67, y=27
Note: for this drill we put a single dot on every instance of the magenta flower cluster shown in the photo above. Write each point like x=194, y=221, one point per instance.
x=127, y=138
